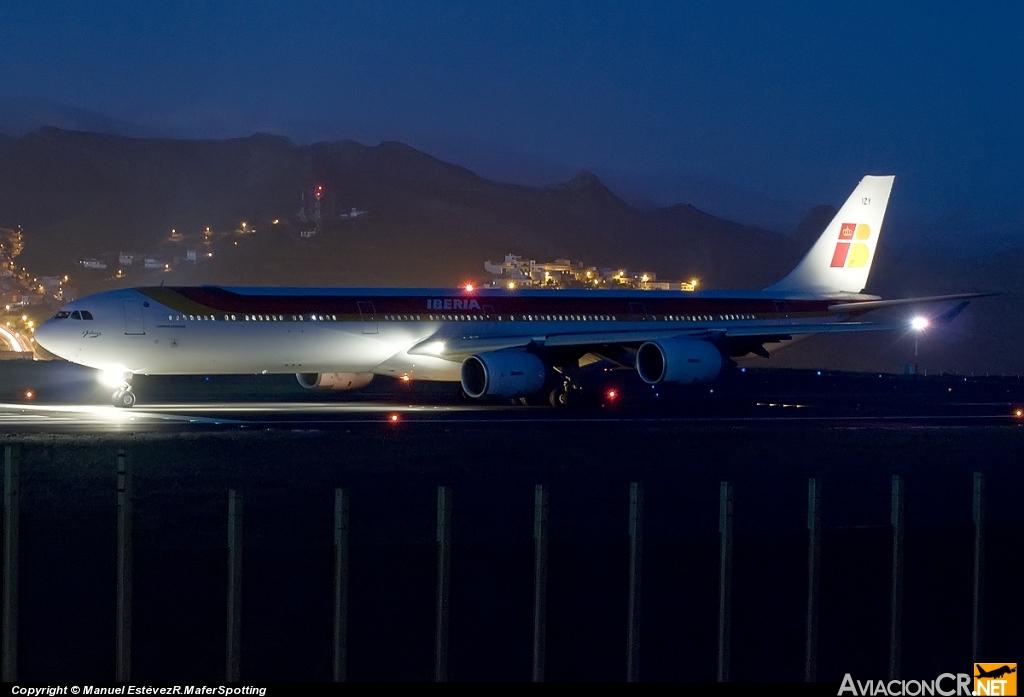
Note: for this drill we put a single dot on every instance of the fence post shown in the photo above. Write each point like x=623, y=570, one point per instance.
x=896, y=604
x=12, y=489
x=540, y=580
x=123, y=666
x=813, y=576
x=724, y=579
x=979, y=565
x=636, y=541
x=234, y=638
x=444, y=563
x=341, y=513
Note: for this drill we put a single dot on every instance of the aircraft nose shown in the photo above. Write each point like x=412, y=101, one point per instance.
x=48, y=335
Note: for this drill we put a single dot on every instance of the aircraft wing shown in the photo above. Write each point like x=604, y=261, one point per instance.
x=458, y=348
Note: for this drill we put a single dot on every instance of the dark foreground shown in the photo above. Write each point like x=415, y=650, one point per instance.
x=288, y=479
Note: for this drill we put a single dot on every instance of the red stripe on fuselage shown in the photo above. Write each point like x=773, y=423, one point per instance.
x=220, y=300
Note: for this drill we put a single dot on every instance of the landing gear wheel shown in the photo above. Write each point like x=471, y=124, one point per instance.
x=123, y=398
x=559, y=398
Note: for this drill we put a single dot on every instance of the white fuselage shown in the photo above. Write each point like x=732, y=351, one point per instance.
x=160, y=331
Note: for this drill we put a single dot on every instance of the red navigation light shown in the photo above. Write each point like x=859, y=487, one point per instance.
x=29, y=394
x=1018, y=412
x=611, y=394
x=405, y=378
x=394, y=418
x=469, y=287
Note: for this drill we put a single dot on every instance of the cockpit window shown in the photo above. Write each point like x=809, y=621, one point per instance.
x=63, y=314
x=76, y=315
x=86, y=314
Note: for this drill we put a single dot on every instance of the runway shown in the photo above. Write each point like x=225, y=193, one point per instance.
x=57, y=397
x=228, y=416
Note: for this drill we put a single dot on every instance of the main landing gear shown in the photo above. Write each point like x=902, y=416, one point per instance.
x=567, y=394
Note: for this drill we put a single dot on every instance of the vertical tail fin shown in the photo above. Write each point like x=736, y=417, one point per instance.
x=841, y=258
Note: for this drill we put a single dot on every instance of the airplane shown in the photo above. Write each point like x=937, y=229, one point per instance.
x=994, y=673
x=497, y=343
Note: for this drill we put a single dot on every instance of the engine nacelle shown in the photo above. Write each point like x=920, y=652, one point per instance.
x=685, y=361
x=503, y=374
x=334, y=381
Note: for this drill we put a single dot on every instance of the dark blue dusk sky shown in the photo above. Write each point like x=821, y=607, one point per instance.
x=794, y=101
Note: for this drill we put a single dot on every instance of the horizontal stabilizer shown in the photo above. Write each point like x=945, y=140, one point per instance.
x=879, y=304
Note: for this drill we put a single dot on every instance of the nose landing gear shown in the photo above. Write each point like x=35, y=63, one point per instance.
x=123, y=396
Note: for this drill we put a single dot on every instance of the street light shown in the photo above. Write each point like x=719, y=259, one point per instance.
x=918, y=324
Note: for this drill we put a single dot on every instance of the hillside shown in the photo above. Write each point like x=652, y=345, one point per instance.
x=78, y=194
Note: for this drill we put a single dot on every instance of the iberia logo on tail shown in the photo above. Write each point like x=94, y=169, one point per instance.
x=852, y=255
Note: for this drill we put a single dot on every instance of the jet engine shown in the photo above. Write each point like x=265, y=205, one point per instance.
x=334, y=381
x=685, y=361
x=503, y=374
